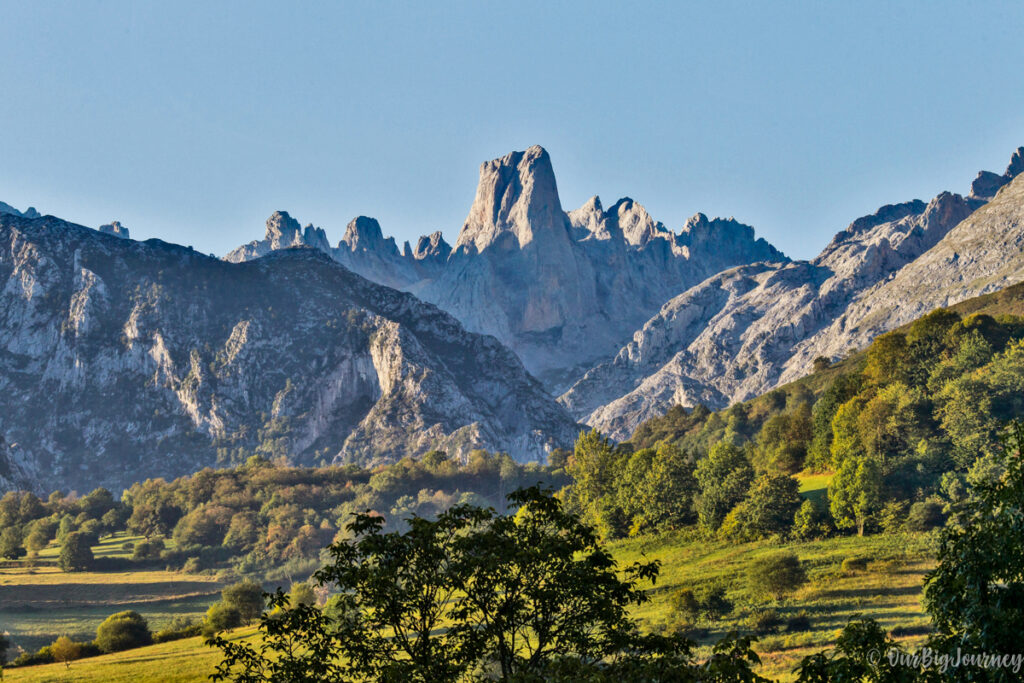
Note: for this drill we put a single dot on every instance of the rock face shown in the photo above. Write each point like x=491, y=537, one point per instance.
x=115, y=229
x=749, y=329
x=121, y=360
x=363, y=249
x=563, y=290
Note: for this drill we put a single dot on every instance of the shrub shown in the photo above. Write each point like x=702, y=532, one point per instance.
x=11, y=546
x=123, y=631
x=713, y=603
x=220, y=617
x=798, y=622
x=812, y=520
x=685, y=605
x=148, y=549
x=301, y=594
x=180, y=627
x=925, y=516
x=852, y=565
x=43, y=655
x=763, y=621
x=776, y=574
x=892, y=516
x=246, y=597
x=192, y=566
x=91, y=529
x=75, y=553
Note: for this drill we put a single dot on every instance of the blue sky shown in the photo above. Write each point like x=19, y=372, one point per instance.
x=193, y=122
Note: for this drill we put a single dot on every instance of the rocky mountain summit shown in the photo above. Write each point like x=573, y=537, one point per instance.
x=123, y=359
x=748, y=329
x=9, y=210
x=116, y=229
x=562, y=289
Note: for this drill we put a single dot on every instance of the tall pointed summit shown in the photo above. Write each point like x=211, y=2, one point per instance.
x=516, y=195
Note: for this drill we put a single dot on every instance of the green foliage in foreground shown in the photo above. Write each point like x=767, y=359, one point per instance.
x=524, y=596
x=976, y=594
x=533, y=596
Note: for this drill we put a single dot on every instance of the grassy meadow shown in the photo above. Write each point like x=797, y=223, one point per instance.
x=39, y=602
x=174, y=662
x=888, y=590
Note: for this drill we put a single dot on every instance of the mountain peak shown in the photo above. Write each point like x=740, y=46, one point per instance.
x=283, y=231
x=517, y=196
x=316, y=238
x=636, y=225
x=30, y=212
x=114, y=228
x=364, y=234
x=1016, y=166
x=432, y=246
x=988, y=183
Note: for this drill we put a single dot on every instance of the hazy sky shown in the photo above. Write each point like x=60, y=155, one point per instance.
x=193, y=122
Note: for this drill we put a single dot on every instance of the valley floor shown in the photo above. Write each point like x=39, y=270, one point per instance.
x=38, y=604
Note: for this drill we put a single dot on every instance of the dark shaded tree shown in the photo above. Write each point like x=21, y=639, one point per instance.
x=75, y=553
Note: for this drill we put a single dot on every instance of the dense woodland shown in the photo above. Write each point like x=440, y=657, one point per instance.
x=904, y=426
x=260, y=519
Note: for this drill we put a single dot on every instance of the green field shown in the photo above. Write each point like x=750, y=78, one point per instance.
x=40, y=603
x=47, y=603
x=178, y=661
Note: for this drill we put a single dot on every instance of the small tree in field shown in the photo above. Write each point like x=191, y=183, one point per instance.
x=855, y=493
x=65, y=650
x=220, y=617
x=246, y=597
x=301, y=594
x=776, y=574
x=75, y=553
x=123, y=631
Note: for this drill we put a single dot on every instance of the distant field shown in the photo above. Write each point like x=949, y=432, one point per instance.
x=38, y=604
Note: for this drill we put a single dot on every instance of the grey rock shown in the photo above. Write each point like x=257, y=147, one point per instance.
x=121, y=360
x=114, y=228
x=751, y=328
x=563, y=290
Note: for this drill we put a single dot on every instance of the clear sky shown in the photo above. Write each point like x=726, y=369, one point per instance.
x=192, y=122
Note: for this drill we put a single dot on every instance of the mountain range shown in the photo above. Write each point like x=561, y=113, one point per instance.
x=122, y=359
x=160, y=360
x=562, y=290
